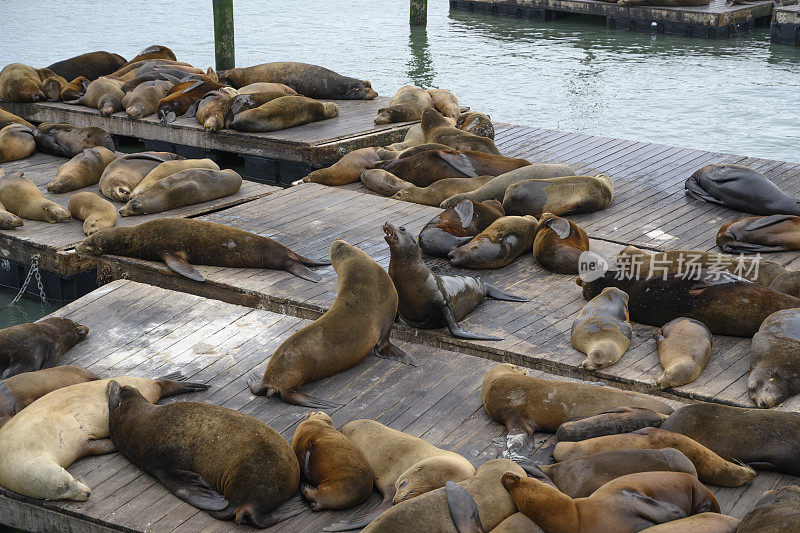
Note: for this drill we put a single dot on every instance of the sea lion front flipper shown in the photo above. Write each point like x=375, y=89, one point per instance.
x=463, y=509
x=192, y=111
x=693, y=189
x=362, y=520
x=296, y=397
x=763, y=222
x=656, y=511
x=7, y=405
x=313, y=262
x=191, y=488
x=98, y=447
x=456, y=330
x=301, y=271
x=176, y=261
x=465, y=210
x=498, y=294
x=748, y=247
x=395, y=353
x=459, y=162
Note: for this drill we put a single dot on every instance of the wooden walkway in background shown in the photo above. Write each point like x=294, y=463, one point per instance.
x=141, y=330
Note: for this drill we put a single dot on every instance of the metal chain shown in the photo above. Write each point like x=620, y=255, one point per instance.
x=33, y=271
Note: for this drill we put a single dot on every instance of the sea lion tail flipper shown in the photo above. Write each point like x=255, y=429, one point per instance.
x=176, y=261
x=692, y=189
x=301, y=271
x=395, y=353
x=286, y=510
x=313, y=262
x=456, y=330
x=656, y=511
x=463, y=509
x=191, y=488
x=362, y=520
x=296, y=397
x=172, y=384
x=498, y=294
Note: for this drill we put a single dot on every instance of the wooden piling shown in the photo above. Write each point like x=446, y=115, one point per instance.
x=223, y=34
x=419, y=12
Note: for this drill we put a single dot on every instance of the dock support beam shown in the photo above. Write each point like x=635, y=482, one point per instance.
x=419, y=12
x=223, y=34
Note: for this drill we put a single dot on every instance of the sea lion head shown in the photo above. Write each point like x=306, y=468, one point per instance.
x=110, y=103
x=91, y=245
x=360, y=90
x=320, y=416
x=55, y=213
x=80, y=330
x=399, y=239
x=135, y=206
x=766, y=389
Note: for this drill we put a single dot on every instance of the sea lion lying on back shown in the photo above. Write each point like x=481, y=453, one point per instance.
x=498, y=245
x=308, y=80
x=458, y=225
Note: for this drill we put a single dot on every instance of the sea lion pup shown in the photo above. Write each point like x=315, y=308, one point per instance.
x=59, y=428
x=229, y=464
x=525, y=404
x=21, y=197
x=498, y=245
x=168, y=168
x=284, y=112
x=559, y=244
x=65, y=140
x=440, y=190
x=438, y=129
x=383, y=182
x=17, y=392
x=774, y=364
x=568, y=195
x=445, y=102
x=309, y=80
x=476, y=123
x=181, y=241
x=684, y=348
x=82, y=170
x=496, y=188
x=358, y=324
x=406, y=105
x=211, y=108
x=182, y=99
x=17, y=141
x=265, y=87
x=347, y=170
x=143, y=100
x=91, y=65
x=611, y=422
x=7, y=118
x=428, y=301
x=97, y=213
x=778, y=511
x=9, y=220
x=699, y=523
x=602, y=329
x=187, y=187
x=773, y=233
x=52, y=86
x=103, y=94
x=787, y=283
x=334, y=472
x=20, y=83
x=121, y=176
x=726, y=304
x=627, y=504
x=711, y=468
x=457, y=225
x=75, y=89
x=740, y=188
x=30, y=347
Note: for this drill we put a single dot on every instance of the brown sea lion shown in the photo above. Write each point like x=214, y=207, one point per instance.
x=129, y=70
x=476, y=123
x=22, y=197
x=440, y=190
x=284, y=112
x=211, y=108
x=82, y=170
x=383, y=182
x=97, y=213
x=91, y=65
x=559, y=244
x=7, y=118
x=334, y=472
x=611, y=422
x=699, y=523
x=9, y=220
x=774, y=360
x=229, y=464
x=568, y=195
x=516, y=523
x=30, y=347
x=778, y=511
x=181, y=241
x=406, y=105
x=143, y=100
x=52, y=86
x=602, y=329
x=445, y=102
x=65, y=140
x=458, y=225
x=787, y=283
x=121, y=176
x=308, y=80
x=20, y=83
x=773, y=233
x=244, y=102
x=168, y=168
x=155, y=51
x=438, y=129
x=357, y=324
x=684, y=349
x=498, y=245
x=182, y=99
x=266, y=87
x=104, y=94
x=75, y=89
x=17, y=141
x=429, y=301
x=347, y=170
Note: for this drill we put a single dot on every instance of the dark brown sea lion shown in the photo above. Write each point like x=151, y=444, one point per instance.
x=284, y=112
x=182, y=99
x=428, y=301
x=308, y=80
x=22, y=197
x=406, y=105
x=602, y=330
x=97, y=213
x=383, y=182
x=458, y=225
x=569, y=195
x=143, y=100
x=445, y=102
x=773, y=233
x=684, y=349
x=17, y=141
x=438, y=191
x=168, y=168
x=476, y=123
x=775, y=359
x=52, y=86
x=726, y=304
x=82, y=170
x=559, y=244
x=334, y=472
x=211, y=108
x=20, y=83
x=129, y=70
x=699, y=523
x=347, y=170
x=121, y=176
x=227, y=463
x=498, y=245
x=9, y=220
x=7, y=118
x=357, y=324
x=30, y=347
x=65, y=140
x=437, y=129
x=75, y=89
x=778, y=511
x=243, y=102
x=611, y=422
x=91, y=65
x=182, y=241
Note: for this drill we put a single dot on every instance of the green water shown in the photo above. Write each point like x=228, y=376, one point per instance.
x=26, y=310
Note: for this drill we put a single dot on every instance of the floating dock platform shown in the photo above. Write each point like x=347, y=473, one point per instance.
x=785, y=28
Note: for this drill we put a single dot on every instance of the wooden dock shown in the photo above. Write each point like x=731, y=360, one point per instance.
x=141, y=330
x=785, y=28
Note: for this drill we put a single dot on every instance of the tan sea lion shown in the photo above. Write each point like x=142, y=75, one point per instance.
x=82, y=170
x=22, y=197
x=264, y=87
x=445, y=102
x=568, y=195
x=97, y=213
x=121, y=176
x=438, y=129
x=183, y=98
x=357, y=324
x=611, y=422
x=774, y=362
x=284, y=112
x=104, y=94
x=602, y=329
x=684, y=349
x=458, y=225
x=413, y=137
x=559, y=244
x=347, y=170
x=75, y=89
x=244, y=102
x=476, y=123
x=424, y=167
x=30, y=347
x=308, y=80
x=17, y=141
x=438, y=191
x=52, y=86
x=211, y=109
x=334, y=472
x=20, y=83
x=406, y=105
x=787, y=283
x=699, y=523
x=155, y=51
x=143, y=100
x=91, y=65
x=773, y=233
x=778, y=511
x=168, y=168
x=383, y=182
x=7, y=118
x=65, y=140
x=498, y=245
x=9, y=220
x=187, y=187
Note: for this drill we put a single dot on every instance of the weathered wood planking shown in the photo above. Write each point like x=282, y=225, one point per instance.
x=145, y=331
x=785, y=27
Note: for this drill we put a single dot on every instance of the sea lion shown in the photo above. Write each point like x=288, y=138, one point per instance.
x=7, y=118
x=445, y=102
x=496, y=188
x=438, y=129
x=774, y=363
x=20, y=83
x=406, y=105
x=684, y=348
x=9, y=220
x=143, y=100
x=181, y=241
x=187, y=187
x=30, y=347
x=284, y=112
x=778, y=511
x=182, y=99
x=82, y=170
x=75, y=89
x=476, y=123
x=347, y=170
x=309, y=80
x=387, y=153
x=357, y=324
x=458, y=225
x=22, y=197
x=438, y=191
x=383, y=182
x=128, y=70
x=229, y=464
x=611, y=422
x=59, y=428
x=334, y=472
x=17, y=141
x=103, y=94
x=413, y=137
x=91, y=65
x=168, y=168
x=65, y=140
x=602, y=329
x=711, y=468
x=787, y=283
x=516, y=523
x=525, y=404
x=17, y=392
x=559, y=244
x=773, y=233
x=498, y=245
x=167, y=77
x=699, y=523
x=155, y=51
x=52, y=86
x=243, y=102
x=121, y=176
x=428, y=301
x=211, y=109
x=741, y=188
x=628, y=503
x=726, y=304
x=265, y=87
x=568, y=195
x=97, y=213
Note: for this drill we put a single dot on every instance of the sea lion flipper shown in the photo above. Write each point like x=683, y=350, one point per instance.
x=313, y=262
x=465, y=210
x=497, y=294
x=656, y=511
x=460, y=333
x=463, y=509
x=177, y=263
x=99, y=447
x=360, y=521
x=762, y=222
x=7, y=405
x=694, y=190
x=301, y=271
x=192, y=111
x=749, y=247
x=286, y=510
x=191, y=488
x=296, y=397
x=459, y=162
x=390, y=351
